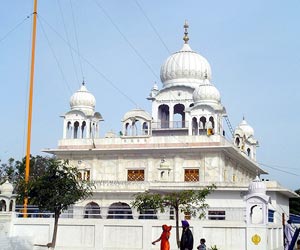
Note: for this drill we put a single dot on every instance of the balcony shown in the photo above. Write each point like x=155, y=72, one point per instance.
x=174, y=125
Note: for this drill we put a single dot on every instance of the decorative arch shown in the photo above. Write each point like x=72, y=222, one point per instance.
x=248, y=151
x=69, y=130
x=92, y=210
x=202, y=125
x=164, y=115
x=119, y=210
x=83, y=129
x=179, y=116
x=212, y=121
x=3, y=205
x=194, y=126
x=237, y=141
x=145, y=128
x=256, y=214
x=76, y=129
x=11, y=205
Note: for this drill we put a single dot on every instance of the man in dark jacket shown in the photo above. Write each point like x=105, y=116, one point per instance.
x=187, y=240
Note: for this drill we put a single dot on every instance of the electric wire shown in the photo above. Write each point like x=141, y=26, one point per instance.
x=125, y=38
x=90, y=64
x=278, y=169
x=14, y=28
x=55, y=57
x=76, y=38
x=153, y=27
x=68, y=40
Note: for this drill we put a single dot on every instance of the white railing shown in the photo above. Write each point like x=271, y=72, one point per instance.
x=170, y=125
x=76, y=212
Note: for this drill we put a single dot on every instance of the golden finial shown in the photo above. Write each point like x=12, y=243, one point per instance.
x=186, y=26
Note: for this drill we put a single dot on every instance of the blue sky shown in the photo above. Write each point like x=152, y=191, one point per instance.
x=252, y=47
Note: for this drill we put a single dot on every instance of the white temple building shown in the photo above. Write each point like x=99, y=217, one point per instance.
x=179, y=144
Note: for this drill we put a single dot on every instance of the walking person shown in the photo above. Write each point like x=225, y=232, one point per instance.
x=187, y=239
x=164, y=238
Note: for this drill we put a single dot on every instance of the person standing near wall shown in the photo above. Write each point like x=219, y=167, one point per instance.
x=202, y=245
x=187, y=239
x=164, y=238
x=288, y=234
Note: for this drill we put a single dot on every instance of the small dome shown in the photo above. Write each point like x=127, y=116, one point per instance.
x=6, y=188
x=206, y=93
x=185, y=67
x=257, y=186
x=244, y=129
x=136, y=114
x=83, y=100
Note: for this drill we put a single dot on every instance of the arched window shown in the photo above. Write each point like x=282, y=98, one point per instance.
x=92, y=210
x=211, y=119
x=164, y=116
x=256, y=214
x=248, y=151
x=127, y=129
x=202, y=125
x=69, y=130
x=83, y=129
x=136, y=127
x=76, y=126
x=2, y=205
x=194, y=126
x=145, y=128
x=179, y=116
x=11, y=204
x=237, y=142
x=119, y=210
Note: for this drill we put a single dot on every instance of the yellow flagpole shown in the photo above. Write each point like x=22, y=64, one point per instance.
x=27, y=166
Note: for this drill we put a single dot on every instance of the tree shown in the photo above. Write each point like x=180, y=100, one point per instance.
x=8, y=171
x=191, y=202
x=295, y=204
x=54, y=189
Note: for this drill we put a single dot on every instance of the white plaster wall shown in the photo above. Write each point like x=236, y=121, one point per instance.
x=98, y=234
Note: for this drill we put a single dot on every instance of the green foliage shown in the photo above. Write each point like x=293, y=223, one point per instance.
x=214, y=247
x=53, y=185
x=9, y=171
x=295, y=204
x=187, y=201
x=147, y=200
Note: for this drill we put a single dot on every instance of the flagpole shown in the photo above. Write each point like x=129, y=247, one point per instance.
x=27, y=166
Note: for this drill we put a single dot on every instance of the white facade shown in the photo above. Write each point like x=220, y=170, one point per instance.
x=179, y=145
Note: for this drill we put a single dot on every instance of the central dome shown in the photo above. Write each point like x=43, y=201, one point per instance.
x=185, y=66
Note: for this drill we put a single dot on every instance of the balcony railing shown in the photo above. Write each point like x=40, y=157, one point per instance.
x=170, y=125
x=212, y=213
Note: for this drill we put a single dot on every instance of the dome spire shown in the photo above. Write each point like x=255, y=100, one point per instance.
x=186, y=26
